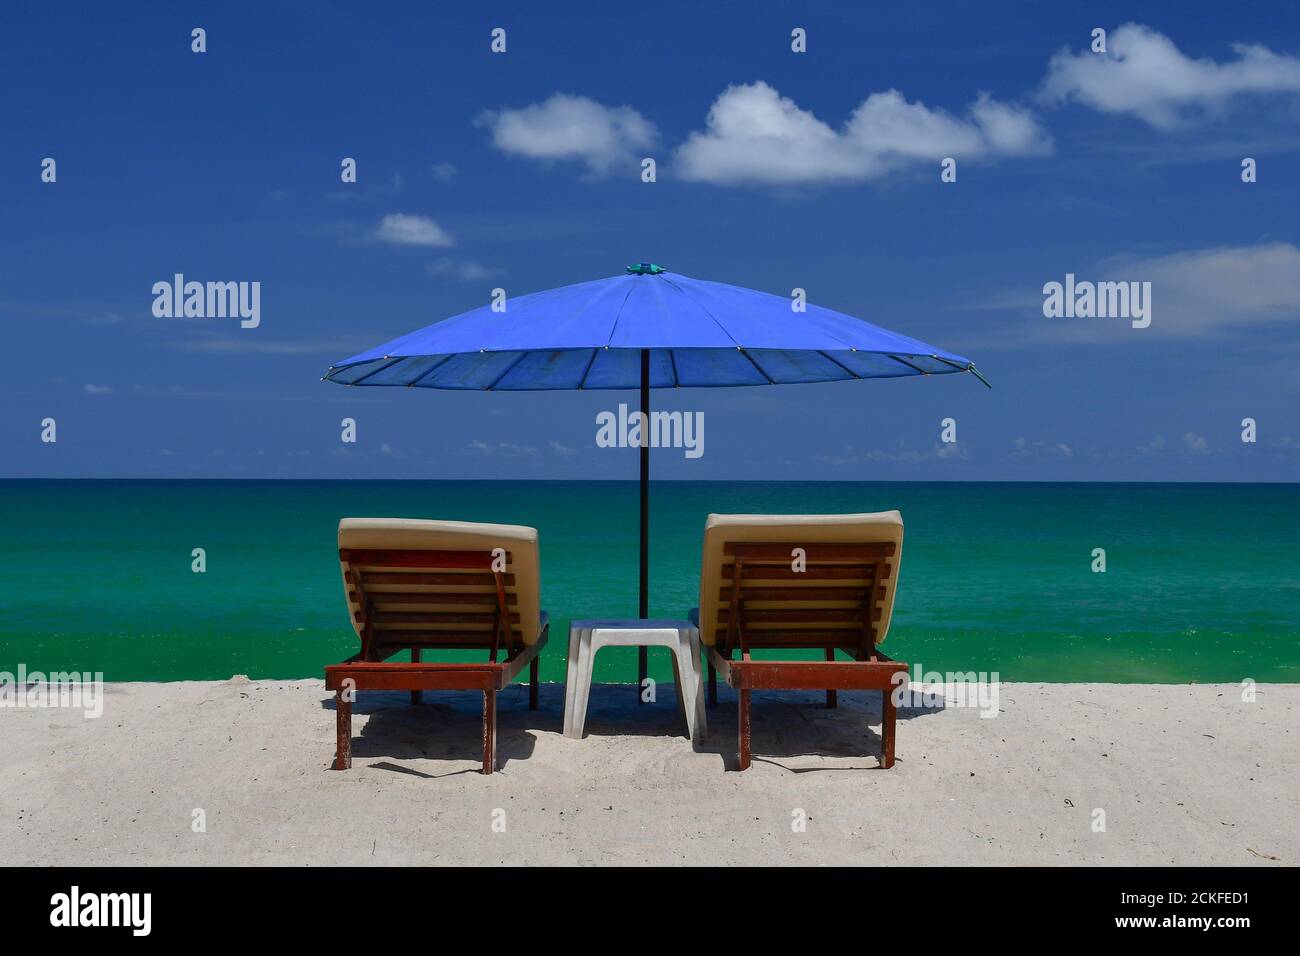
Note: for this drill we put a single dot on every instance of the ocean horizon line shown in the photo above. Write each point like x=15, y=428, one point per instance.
x=674, y=481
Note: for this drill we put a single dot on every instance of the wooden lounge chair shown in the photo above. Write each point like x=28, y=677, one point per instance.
x=416, y=585
x=822, y=582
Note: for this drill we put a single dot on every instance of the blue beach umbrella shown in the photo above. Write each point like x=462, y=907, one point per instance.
x=646, y=329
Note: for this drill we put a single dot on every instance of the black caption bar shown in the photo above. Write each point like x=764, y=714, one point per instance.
x=302, y=905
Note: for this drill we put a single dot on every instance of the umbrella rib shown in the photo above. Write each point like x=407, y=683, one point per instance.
x=582, y=380
x=382, y=368
x=414, y=383
x=915, y=368
x=770, y=379
x=832, y=358
x=508, y=369
x=672, y=363
x=614, y=328
x=970, y=367
x=710, y=315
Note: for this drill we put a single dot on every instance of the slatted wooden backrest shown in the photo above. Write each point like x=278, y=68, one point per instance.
x=801, y=580
x=421, y=598
x=833, y=599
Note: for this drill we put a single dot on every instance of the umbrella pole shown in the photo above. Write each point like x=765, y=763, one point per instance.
x=641, y=652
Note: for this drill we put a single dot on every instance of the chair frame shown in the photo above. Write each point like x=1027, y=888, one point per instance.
x=369, y=669
x=836, y=568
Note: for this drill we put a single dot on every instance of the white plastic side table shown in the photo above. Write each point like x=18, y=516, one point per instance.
x=587, y=637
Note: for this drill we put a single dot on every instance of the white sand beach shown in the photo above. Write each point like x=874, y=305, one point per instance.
x=1184, y=774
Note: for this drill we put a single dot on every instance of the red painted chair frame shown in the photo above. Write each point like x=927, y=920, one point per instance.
x=368, y=669
x=835, y=568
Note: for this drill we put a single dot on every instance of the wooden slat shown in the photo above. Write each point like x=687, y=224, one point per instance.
x=413, y=558
x=384, y=618
x=800, y=615
x=754, y=551
x=797, y=615
x=758, y=594
x=390, y=642
x=799, y=637
x=405, y=676
x=373, y=675
x=824, y=572
x=813, y=675
x=486, y=600
x=427, y=579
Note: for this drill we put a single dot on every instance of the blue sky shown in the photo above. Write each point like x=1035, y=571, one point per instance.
x=775, y=170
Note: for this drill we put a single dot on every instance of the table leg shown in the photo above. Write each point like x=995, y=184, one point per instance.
x=571, y=679
x=699, y=724
x=678, y=684
x=586, y=664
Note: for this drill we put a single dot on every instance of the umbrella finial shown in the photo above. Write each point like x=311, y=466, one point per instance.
x=644, y=269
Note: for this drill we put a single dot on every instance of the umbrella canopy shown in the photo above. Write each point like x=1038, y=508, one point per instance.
x=590, y=336
x=646, y=329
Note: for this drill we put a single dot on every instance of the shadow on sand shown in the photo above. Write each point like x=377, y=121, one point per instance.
x=786, y=724
x=798, y=724
x=448, y=725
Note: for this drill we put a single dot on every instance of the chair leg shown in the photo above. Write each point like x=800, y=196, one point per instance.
x=887, y=719
x=533, y=670
x=744, y=728
x=343, y=746
x=713, y=685
x=416, y=696
x=832, y=699
x=489, y=731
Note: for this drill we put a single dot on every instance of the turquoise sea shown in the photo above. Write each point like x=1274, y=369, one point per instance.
x=1202, y=581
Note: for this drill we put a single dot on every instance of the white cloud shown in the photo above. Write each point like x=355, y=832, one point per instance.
x=572, y=127
x=246, y=345
x=1200, y=292
x=755, y=135
x=1024, y=448
x=902, y=454
x=501, y=448
x=97, y=389
x=1143, y=73
x=466, y=269
x=400, y=229
x=1196, y=444
x=1195, y=293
